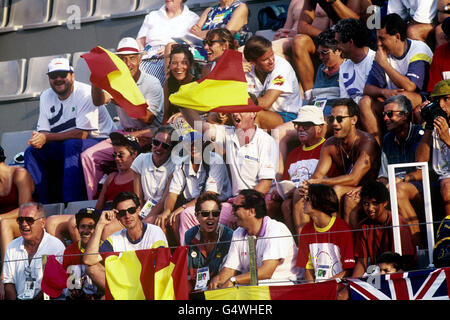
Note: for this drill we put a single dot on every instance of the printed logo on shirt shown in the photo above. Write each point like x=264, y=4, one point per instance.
x=251, y=158
x=279, y=80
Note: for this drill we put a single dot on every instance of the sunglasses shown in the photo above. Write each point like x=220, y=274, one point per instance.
x=29, y=220
x=210, y=42
x=119, y=155
x=304, y=125
x=56, y=74
x=338, y=118
x=123, y=212
x=205, y=213
x=157, y=143
x=390, y=113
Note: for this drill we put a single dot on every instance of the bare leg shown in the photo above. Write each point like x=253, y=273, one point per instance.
x=283, y=48
x=406, y=192
x=268, y=119
x=371, y=116
x=283, y=134
x=9, y=230
x=302, y=49
x=58, y=226
x=419, y=31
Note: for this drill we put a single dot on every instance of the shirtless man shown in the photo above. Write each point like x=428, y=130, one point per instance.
x=355, y=153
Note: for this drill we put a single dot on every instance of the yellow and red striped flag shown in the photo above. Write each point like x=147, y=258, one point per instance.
x=151, y=274
x=111, y=74
x=224, y=89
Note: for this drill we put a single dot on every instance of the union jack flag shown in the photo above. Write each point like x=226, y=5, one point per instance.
x=431, y=284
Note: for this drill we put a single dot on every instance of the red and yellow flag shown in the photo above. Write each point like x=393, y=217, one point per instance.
x=151, y=274
x=111, y=74
x=224, y=89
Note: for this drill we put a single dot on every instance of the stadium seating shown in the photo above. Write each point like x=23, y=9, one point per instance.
x=13, y=84
x=27, y=14
x=106, y=8
x=69, y=11
x=74, y=206
x=3, y=13
x=144, y=7
x=14, y=142
x=81, y=70
x=53, y=209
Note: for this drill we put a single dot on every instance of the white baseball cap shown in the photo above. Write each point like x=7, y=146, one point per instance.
x=128, y=45
x=310, y=113
x=59, y=64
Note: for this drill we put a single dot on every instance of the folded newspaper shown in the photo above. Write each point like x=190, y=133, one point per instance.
x=284, y=187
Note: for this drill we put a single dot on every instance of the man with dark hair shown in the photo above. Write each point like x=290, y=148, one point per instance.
x=374, y=233
x=136, y=235
x=326, y=242
x=401, y=66
x=355, y=153
x=273, y=81
x=276, y=251
x=390, y=262
x=352, y=38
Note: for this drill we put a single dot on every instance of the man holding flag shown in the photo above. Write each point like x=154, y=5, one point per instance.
x=137, y=120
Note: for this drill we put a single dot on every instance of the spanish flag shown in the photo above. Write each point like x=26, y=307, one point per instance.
x=111, y=74
x=225, y=89
x=326, y=290
x=151, y=274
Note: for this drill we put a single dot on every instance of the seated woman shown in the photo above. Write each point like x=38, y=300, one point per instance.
x=126, y=149
x=210, y=239
x=173, y=19
x=229, y=14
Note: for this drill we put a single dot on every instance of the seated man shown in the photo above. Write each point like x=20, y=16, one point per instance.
x=136, y=235
x=373, y=237
x=435, y=143
x=275, y=248
x=326, y=242
x=355, y=154
x=419, y=14
x=273, y=81
x=80, y=286
x=300, y=164
x=68, y=124
x=94, y=158
x=401, y=66
x=22, y=268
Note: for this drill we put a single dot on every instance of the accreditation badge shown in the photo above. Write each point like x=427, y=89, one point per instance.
x=202, y=278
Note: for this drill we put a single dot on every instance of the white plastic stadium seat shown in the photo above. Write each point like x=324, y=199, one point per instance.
x=105, y=8
x=13, y=143
x=27, y=14
x=144, y=7
x=69, y=12
x=52, y=209
x=74, y=206
x=37, y=79
x=81, y=69
x=13, y=84
x=195, y=4
x=3, y=13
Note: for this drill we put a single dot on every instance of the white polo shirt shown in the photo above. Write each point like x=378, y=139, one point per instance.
x=14, y=270
x=282, y=78
x=251, y=162
x=76, y=112
x=274, y=242
x=159, y=29
x=422, y=11
x=191, y=183
x=153, y=179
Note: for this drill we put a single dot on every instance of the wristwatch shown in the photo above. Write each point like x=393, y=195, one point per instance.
x=233, y=280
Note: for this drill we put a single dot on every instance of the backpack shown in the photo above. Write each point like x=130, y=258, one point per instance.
x=272, y=17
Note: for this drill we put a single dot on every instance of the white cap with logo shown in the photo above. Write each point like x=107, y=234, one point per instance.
x=59, y=64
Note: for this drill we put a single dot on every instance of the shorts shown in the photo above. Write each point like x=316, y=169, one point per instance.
x=287, y=116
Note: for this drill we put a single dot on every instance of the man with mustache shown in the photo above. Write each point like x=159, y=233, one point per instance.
x=68, y=124
x=22, y=270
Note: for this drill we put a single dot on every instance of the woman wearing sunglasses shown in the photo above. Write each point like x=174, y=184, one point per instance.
x=210, y=239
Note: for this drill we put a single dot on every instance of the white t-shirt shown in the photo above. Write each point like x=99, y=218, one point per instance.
x=251, y=162
x=159, y=29
x=153, y=179
x=274, y=242
x=440, y=156
x=193, y=182
x=14, y=271
x=152, y=91
x=76, y=112
x=282, y=78
x=353, y=76
x=422, y=11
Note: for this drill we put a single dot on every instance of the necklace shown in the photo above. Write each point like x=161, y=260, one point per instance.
x=347, y=154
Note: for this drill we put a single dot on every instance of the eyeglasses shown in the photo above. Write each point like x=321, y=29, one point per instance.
x=29, y=220
x=237, y=206
x=123, y=212
x=390, y=113
x=56, y=74
x=210, y=42
x=205, y=213
x=156, y=143
x=304, y=125
x=338, y=118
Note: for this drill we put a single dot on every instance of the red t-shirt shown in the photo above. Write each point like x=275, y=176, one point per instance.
x=440, y=66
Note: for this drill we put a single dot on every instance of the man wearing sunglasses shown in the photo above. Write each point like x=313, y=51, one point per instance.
x=68, y=124
x=136, y=235
x=22, y=269
x=143, y=128
x=355, y=153
x=401, y=66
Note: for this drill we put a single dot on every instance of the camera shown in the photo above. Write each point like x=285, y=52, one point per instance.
x=430, y=112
